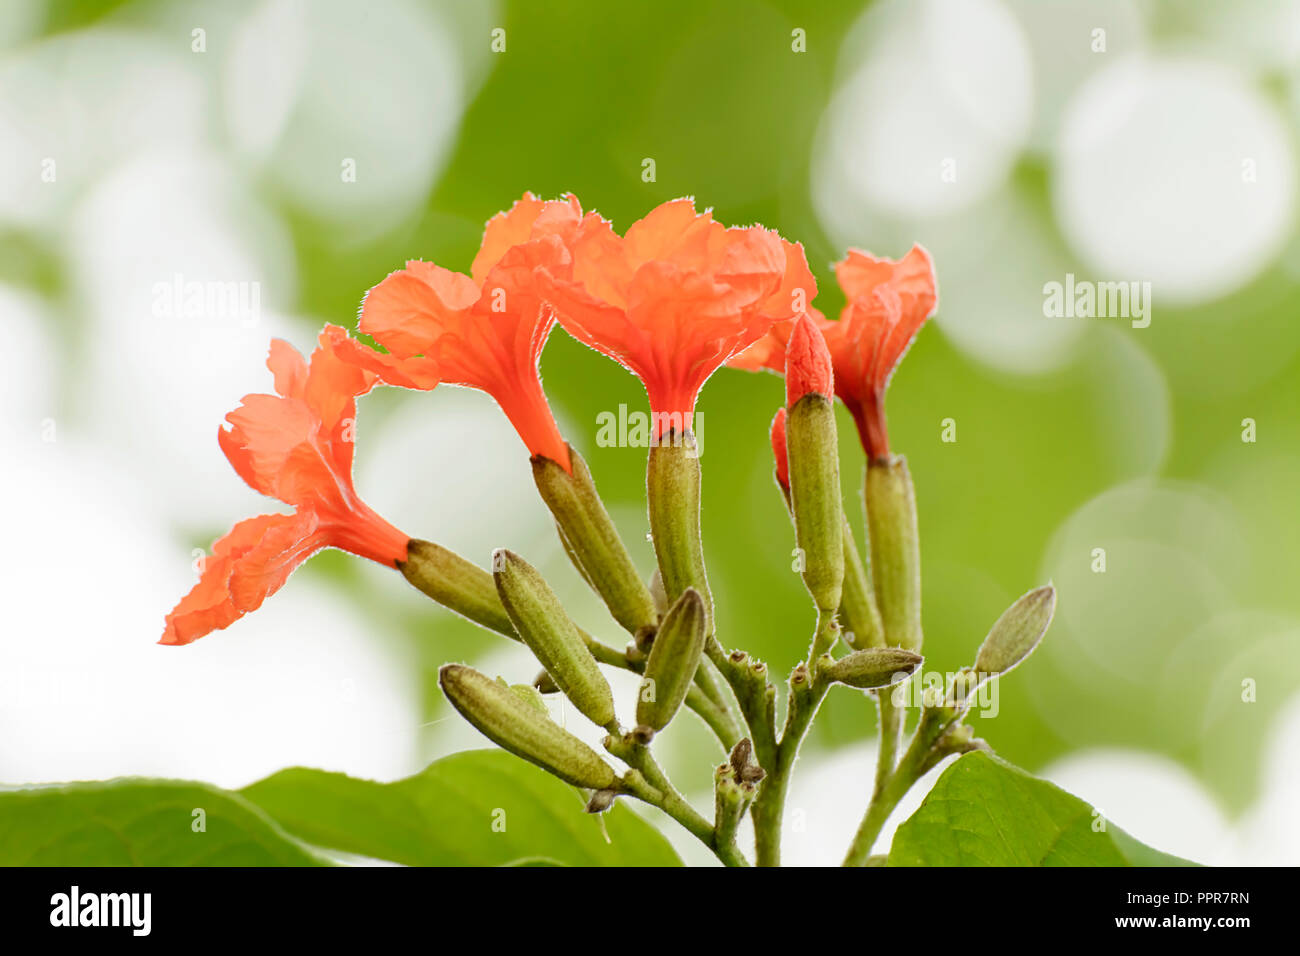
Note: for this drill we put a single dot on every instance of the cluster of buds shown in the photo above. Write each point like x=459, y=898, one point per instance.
x=673, y=299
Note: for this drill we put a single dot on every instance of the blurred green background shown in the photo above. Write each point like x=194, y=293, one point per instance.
x=1072, y=435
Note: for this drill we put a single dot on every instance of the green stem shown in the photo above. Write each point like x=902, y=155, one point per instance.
x=921, y=755
x=754, y=695
x=713, y=688
x=806, y=693
x=717, y=716
x=648, y=783
x=718, y=719
x=891, y=731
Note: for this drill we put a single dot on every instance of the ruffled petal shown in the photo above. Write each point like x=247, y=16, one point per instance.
x=297, y=447
x=673, y=232
x=411, y=308
x=333, y=384
x=265, y=429
x=209, y=606
x=528, y=219
x=262, y=570
x=675, y=298
x=887, y=303
x=288, y=367
x=418, y=372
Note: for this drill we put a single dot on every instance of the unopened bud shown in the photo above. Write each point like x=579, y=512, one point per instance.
x=858, y=608
x=541, y=621
x=456, y=584
x=895, y=550
x=779, y=454
x=589, y=535
x=807, y=363
x=814, y=464
x=572, y=554
x=673, y=499
x=873, y=667
x=511, y=723
x=530, y=696
x=674, y=658
x=1017, y=632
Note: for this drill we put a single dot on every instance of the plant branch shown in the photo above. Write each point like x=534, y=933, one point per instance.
x=932, y=741
x=647, y=782
x=806, y=692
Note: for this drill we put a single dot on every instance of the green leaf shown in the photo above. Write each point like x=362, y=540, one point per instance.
x=478, y=808
x=139, y=822
x=985, y=812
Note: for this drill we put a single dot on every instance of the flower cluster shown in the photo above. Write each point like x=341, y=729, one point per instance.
x=672, y=299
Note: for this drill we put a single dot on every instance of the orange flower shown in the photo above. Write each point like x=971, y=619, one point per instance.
x=295, y=446
x=769, y=351
x=887, y=304
x=485, y=330
x=676, y=297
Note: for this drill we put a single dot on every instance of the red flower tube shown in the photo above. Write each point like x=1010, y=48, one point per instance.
x=295, y=446
x=779, y=453
x=807, y=363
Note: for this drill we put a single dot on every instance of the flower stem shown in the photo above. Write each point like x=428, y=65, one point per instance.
x=647, y=782
x=715, y=714
x=806, y=693
x=718, y=718
x=891, y=731
x=921, y=755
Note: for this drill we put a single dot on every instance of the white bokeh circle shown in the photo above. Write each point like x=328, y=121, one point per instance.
x=357, y=113
x=1175, y=171
x=934, y=105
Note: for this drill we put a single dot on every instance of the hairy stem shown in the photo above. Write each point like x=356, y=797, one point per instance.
x=922, y=754
x=891, y=731
x=806, y=693
x=648, y=783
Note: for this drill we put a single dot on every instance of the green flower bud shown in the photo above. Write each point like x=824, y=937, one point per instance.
x=674, y=657
x=573, y=556
x=815, y=497
x=532, y=697
x=514, y=724
x=1017, y=632
x=456, y=584
x=895, y=550
x=673, y=497
x=589, y=535
x=858, y=612
x=544, y=626
x=873, y=667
